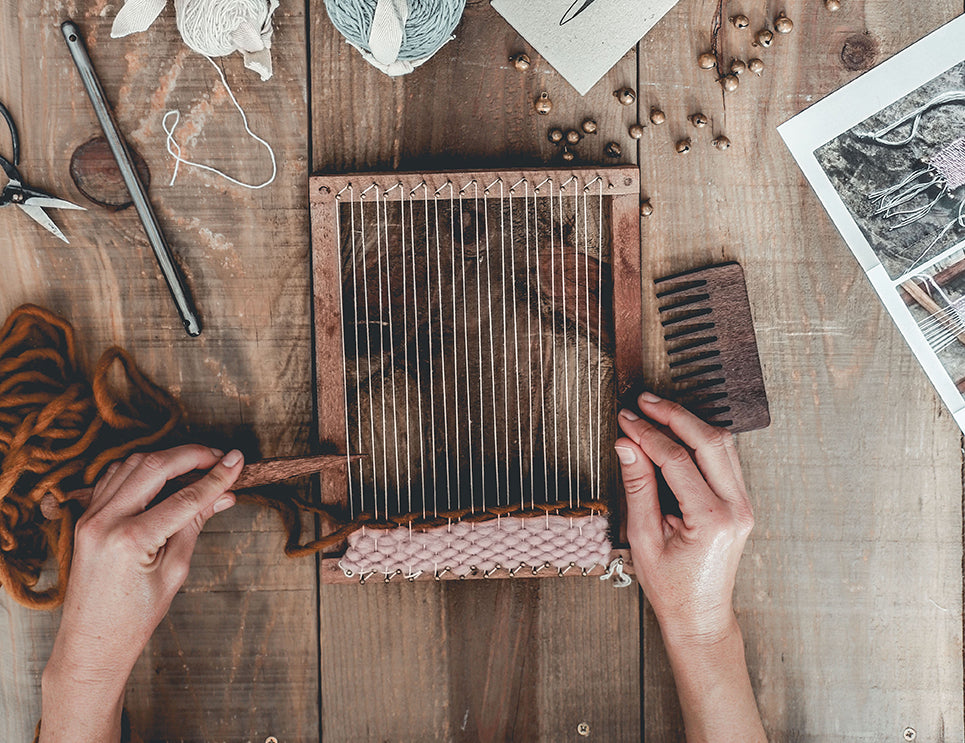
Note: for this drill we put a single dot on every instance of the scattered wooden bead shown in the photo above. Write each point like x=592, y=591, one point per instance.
x=707, y=61
x=555, y=135
x=721, y=142
x=657, y=116
x=646, y=208
x=764, y=38
x=543, y=104
x=626, y=96
x=589, y=126
x=612, y=149
x=738, y=66
x=683, y=145
x=729, y=83
x=833, y=5
x=783, y=24
x=573, y=137
x=521, y=62
x=740, y=21
x=567, y=154
x=635, y=131
x=698, y=120
x=756, y=66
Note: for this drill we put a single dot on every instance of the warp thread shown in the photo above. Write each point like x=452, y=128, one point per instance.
x=396, y=36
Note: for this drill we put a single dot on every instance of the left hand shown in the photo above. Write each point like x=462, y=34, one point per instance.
x=127, y=566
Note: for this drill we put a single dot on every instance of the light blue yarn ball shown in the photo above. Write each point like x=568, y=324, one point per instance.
x=429, y=26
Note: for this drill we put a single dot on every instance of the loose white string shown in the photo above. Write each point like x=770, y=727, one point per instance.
x=174, y=149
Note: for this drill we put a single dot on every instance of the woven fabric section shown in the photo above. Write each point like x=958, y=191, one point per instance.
x=556, y=541
x=950, y=162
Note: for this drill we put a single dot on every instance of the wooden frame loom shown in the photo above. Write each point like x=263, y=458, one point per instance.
x=425, y=288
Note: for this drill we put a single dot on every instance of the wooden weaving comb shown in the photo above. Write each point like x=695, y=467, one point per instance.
x=253, y=475
x=714, y=366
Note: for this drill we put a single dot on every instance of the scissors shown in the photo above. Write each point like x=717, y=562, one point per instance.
x=31, y=201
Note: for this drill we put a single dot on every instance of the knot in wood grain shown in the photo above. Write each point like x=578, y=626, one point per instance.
x=859, y=52
x=95, y=173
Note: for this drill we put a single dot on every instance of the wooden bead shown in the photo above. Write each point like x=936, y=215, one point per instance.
x=555, y=135
x=589, y=126
x=635, y=131
x=698, y=120
x=657, y=116
x=707, y=61
x=626, y=96
x=573, y=137
x=646, y=208
x=683, y=145
x=756, y=66
x=721, y=142
x=729, y=83
x=543, y=104
x=612, y=149
x=567, y=154
x=740, y=21
x=783, y=24
x=521, y=62
x=738, y=66
x=764, y=38
x=833, y=5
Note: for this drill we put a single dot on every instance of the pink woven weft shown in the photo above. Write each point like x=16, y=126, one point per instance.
x=461, y=547
x=950, y=163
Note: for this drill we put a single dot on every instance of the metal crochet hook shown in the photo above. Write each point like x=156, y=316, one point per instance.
x=32, y=201
x=172, y=276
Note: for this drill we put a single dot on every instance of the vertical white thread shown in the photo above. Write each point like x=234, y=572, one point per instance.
x=455, y=347
x=432, y=393
x=566, y=355
x=600, y=347
x=405, y=346
x=395, y=398
x=516, y=370
x=341, y=305
x=442, y=351
x=591, y=460
x=418, y=364
x=465, y=345
x=576, y=336
x=492, y=348
x=368, y=349
x=555, y=365
x=502, y=273
x=539, y=321
x=381, y=331
x=529, y=348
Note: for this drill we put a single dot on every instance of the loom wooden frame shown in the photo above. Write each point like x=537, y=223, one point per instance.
x=623, y=201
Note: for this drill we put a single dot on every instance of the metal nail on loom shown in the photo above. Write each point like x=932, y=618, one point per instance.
x=162, y=252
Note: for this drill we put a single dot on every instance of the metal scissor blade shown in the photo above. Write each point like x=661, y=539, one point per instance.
x=40, y=217
x=51, y=202
x=573, y=11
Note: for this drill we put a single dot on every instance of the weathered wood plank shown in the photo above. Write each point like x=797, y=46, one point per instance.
x=482, y=650
x=850, y=588
x=237, y=656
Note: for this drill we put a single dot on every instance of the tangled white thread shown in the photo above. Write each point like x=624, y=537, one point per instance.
x=174, y=149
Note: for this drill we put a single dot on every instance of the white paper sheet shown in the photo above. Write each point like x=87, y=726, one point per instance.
x=845, y=166
x=597, y=34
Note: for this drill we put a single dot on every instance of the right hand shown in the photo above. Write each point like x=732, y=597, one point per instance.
x=687, y=566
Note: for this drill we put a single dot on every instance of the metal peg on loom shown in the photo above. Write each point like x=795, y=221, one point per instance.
x=253, y=475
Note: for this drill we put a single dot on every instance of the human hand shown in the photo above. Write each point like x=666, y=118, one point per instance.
x=128, y=564
x=687, y=566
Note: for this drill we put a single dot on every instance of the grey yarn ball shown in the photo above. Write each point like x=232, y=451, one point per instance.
x=429, y=26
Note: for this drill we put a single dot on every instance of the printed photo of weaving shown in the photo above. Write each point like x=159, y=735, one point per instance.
x=902, y=172
x=476, y=371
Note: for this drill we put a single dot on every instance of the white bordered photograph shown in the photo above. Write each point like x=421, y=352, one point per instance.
x=886, y=156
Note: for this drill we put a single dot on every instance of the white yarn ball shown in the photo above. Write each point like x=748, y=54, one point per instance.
x=207, y=26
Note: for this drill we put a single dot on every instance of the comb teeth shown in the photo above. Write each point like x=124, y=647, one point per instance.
x=711, y=349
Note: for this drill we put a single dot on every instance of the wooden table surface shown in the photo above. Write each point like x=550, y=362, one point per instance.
x=850, y=590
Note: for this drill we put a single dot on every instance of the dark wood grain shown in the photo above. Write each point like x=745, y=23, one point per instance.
x=239, y=649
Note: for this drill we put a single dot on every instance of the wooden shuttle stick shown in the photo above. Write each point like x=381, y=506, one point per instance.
x=253, y=474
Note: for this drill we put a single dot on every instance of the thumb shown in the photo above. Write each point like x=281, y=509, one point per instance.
x=644, y=516
x=191, y=507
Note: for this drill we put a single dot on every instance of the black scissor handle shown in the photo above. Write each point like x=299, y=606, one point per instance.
x=14, y=136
